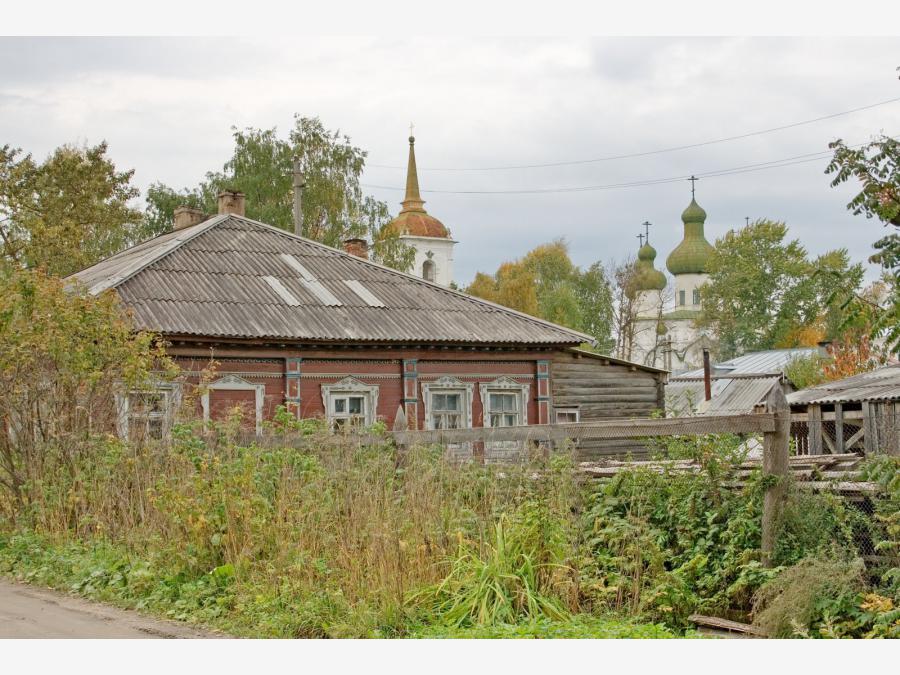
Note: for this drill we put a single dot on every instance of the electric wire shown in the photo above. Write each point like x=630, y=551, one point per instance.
x=648, y=153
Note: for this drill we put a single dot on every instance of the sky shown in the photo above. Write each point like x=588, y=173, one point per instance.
x=166, y=107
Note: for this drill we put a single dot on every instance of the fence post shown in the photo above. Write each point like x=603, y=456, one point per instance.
x=775, y=470
x=401, y=426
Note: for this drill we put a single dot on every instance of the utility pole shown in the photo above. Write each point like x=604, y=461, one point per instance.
x=299, y=184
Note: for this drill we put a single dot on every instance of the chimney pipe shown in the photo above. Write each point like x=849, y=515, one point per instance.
x=358, y=247
x=299, y=184
x=185, y=216
x=231, y=202
x=707, y=376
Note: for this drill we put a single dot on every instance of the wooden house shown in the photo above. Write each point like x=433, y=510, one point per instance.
x=325, y=333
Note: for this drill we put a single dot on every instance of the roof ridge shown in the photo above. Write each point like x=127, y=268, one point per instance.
x=412, y=277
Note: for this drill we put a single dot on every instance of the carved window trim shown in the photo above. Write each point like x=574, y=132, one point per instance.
x=350, y=386
x=235, y=383
x=448, y=384
x=503, y=385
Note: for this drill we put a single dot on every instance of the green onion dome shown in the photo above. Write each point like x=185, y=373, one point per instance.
x=691, y=255
x=646, y=276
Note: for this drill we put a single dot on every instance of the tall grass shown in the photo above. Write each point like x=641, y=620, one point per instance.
x=332, y=534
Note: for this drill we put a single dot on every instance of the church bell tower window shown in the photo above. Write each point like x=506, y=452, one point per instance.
x=428, y=270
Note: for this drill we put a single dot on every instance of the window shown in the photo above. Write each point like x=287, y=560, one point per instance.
x=503, y=409
x=681, y=297
x=696, y=296
x=147, y=413
x=350, y=404
x=446, y=410
x=567, y=415
x=347, y=412
x=448, y=403
x=428, y=270
x=233, y=383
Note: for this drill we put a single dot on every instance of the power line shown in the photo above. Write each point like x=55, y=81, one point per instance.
x=648, y=152
x=746, y=168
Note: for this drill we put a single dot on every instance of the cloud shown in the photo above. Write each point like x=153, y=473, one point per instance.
x=166, y=107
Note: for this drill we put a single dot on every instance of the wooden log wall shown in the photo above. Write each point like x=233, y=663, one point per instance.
x=603, y=389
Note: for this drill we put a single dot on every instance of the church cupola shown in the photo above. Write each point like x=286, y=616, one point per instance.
x=646, y=276
x=691, y=255
x=413, y=220
x=424, y=233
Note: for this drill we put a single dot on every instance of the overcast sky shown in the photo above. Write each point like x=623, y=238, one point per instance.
x=166, y=106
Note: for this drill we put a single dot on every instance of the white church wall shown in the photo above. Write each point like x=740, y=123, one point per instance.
x=441, y=251
x=685, y=285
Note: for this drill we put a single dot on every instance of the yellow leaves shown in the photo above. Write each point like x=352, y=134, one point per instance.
x=878, y=604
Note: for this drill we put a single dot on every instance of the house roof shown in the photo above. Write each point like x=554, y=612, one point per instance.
x=881, y=384
x=234, y=277
x=739, y=384
x=768, y=362
x=731, y=396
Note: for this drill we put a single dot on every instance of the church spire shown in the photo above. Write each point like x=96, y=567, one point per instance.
x=413, y=200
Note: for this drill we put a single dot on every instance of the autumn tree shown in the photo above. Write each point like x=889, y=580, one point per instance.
x=546, y=284
x=261, y=166
x=765, y=292
x=67, y=212
x=876, y=167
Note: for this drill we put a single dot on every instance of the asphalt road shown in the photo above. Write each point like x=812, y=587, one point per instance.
x=31, y=612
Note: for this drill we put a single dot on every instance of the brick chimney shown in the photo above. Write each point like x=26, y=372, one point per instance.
x=357, y=247
x=231, y=202
x=185, y=216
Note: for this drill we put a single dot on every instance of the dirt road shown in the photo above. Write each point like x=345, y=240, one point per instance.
x=30, y=612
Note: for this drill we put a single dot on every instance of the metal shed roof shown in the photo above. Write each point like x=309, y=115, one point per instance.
x=235, y=277
x=729, y=396
x=768, y=362
x=882, y=384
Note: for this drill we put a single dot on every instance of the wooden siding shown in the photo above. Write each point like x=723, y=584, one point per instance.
x=602, y=389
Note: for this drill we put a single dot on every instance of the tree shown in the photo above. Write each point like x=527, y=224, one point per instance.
x=66, y=213
x=545, y=283
x=876, y=166
x=63, y=355
x=764, y=292
x=261, y=166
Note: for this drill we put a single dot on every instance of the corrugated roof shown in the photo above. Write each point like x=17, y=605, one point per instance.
x=882, y=384
x=729, y=396
x=211, y=280
x=768, y=362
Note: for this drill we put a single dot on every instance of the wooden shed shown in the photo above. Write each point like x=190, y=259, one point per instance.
x=586, y=386
x=858, y=413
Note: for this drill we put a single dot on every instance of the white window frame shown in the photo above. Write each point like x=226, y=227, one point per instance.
x=171, y=392
x=557, y=411
x=503, y=451
x=350, y=386
x=235, y=383
x=426, y=265
x=504, y=385
x=448, y=385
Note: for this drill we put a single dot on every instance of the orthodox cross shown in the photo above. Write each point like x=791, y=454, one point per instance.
x=647, y=225
x=693, y=180
x=747, y=220
x=641, y=239
x=411, y=127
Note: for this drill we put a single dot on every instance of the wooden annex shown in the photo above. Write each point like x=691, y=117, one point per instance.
x=266, y=318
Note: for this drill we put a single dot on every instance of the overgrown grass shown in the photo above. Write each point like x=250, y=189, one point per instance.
x=330, y=539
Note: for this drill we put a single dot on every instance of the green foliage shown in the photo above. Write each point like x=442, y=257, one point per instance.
x=63, y=355
x=806, y=371
x=520, y=575
x=876, y=166
x=65, y=213
x=545, y=283
x=765, y=293
x=334, y=207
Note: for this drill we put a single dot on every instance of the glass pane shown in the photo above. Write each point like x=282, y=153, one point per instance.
x=439, y=401
x=356, y=405
x=454, y=421
x=340, y=405
x=453, y=402
x=510, y=420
